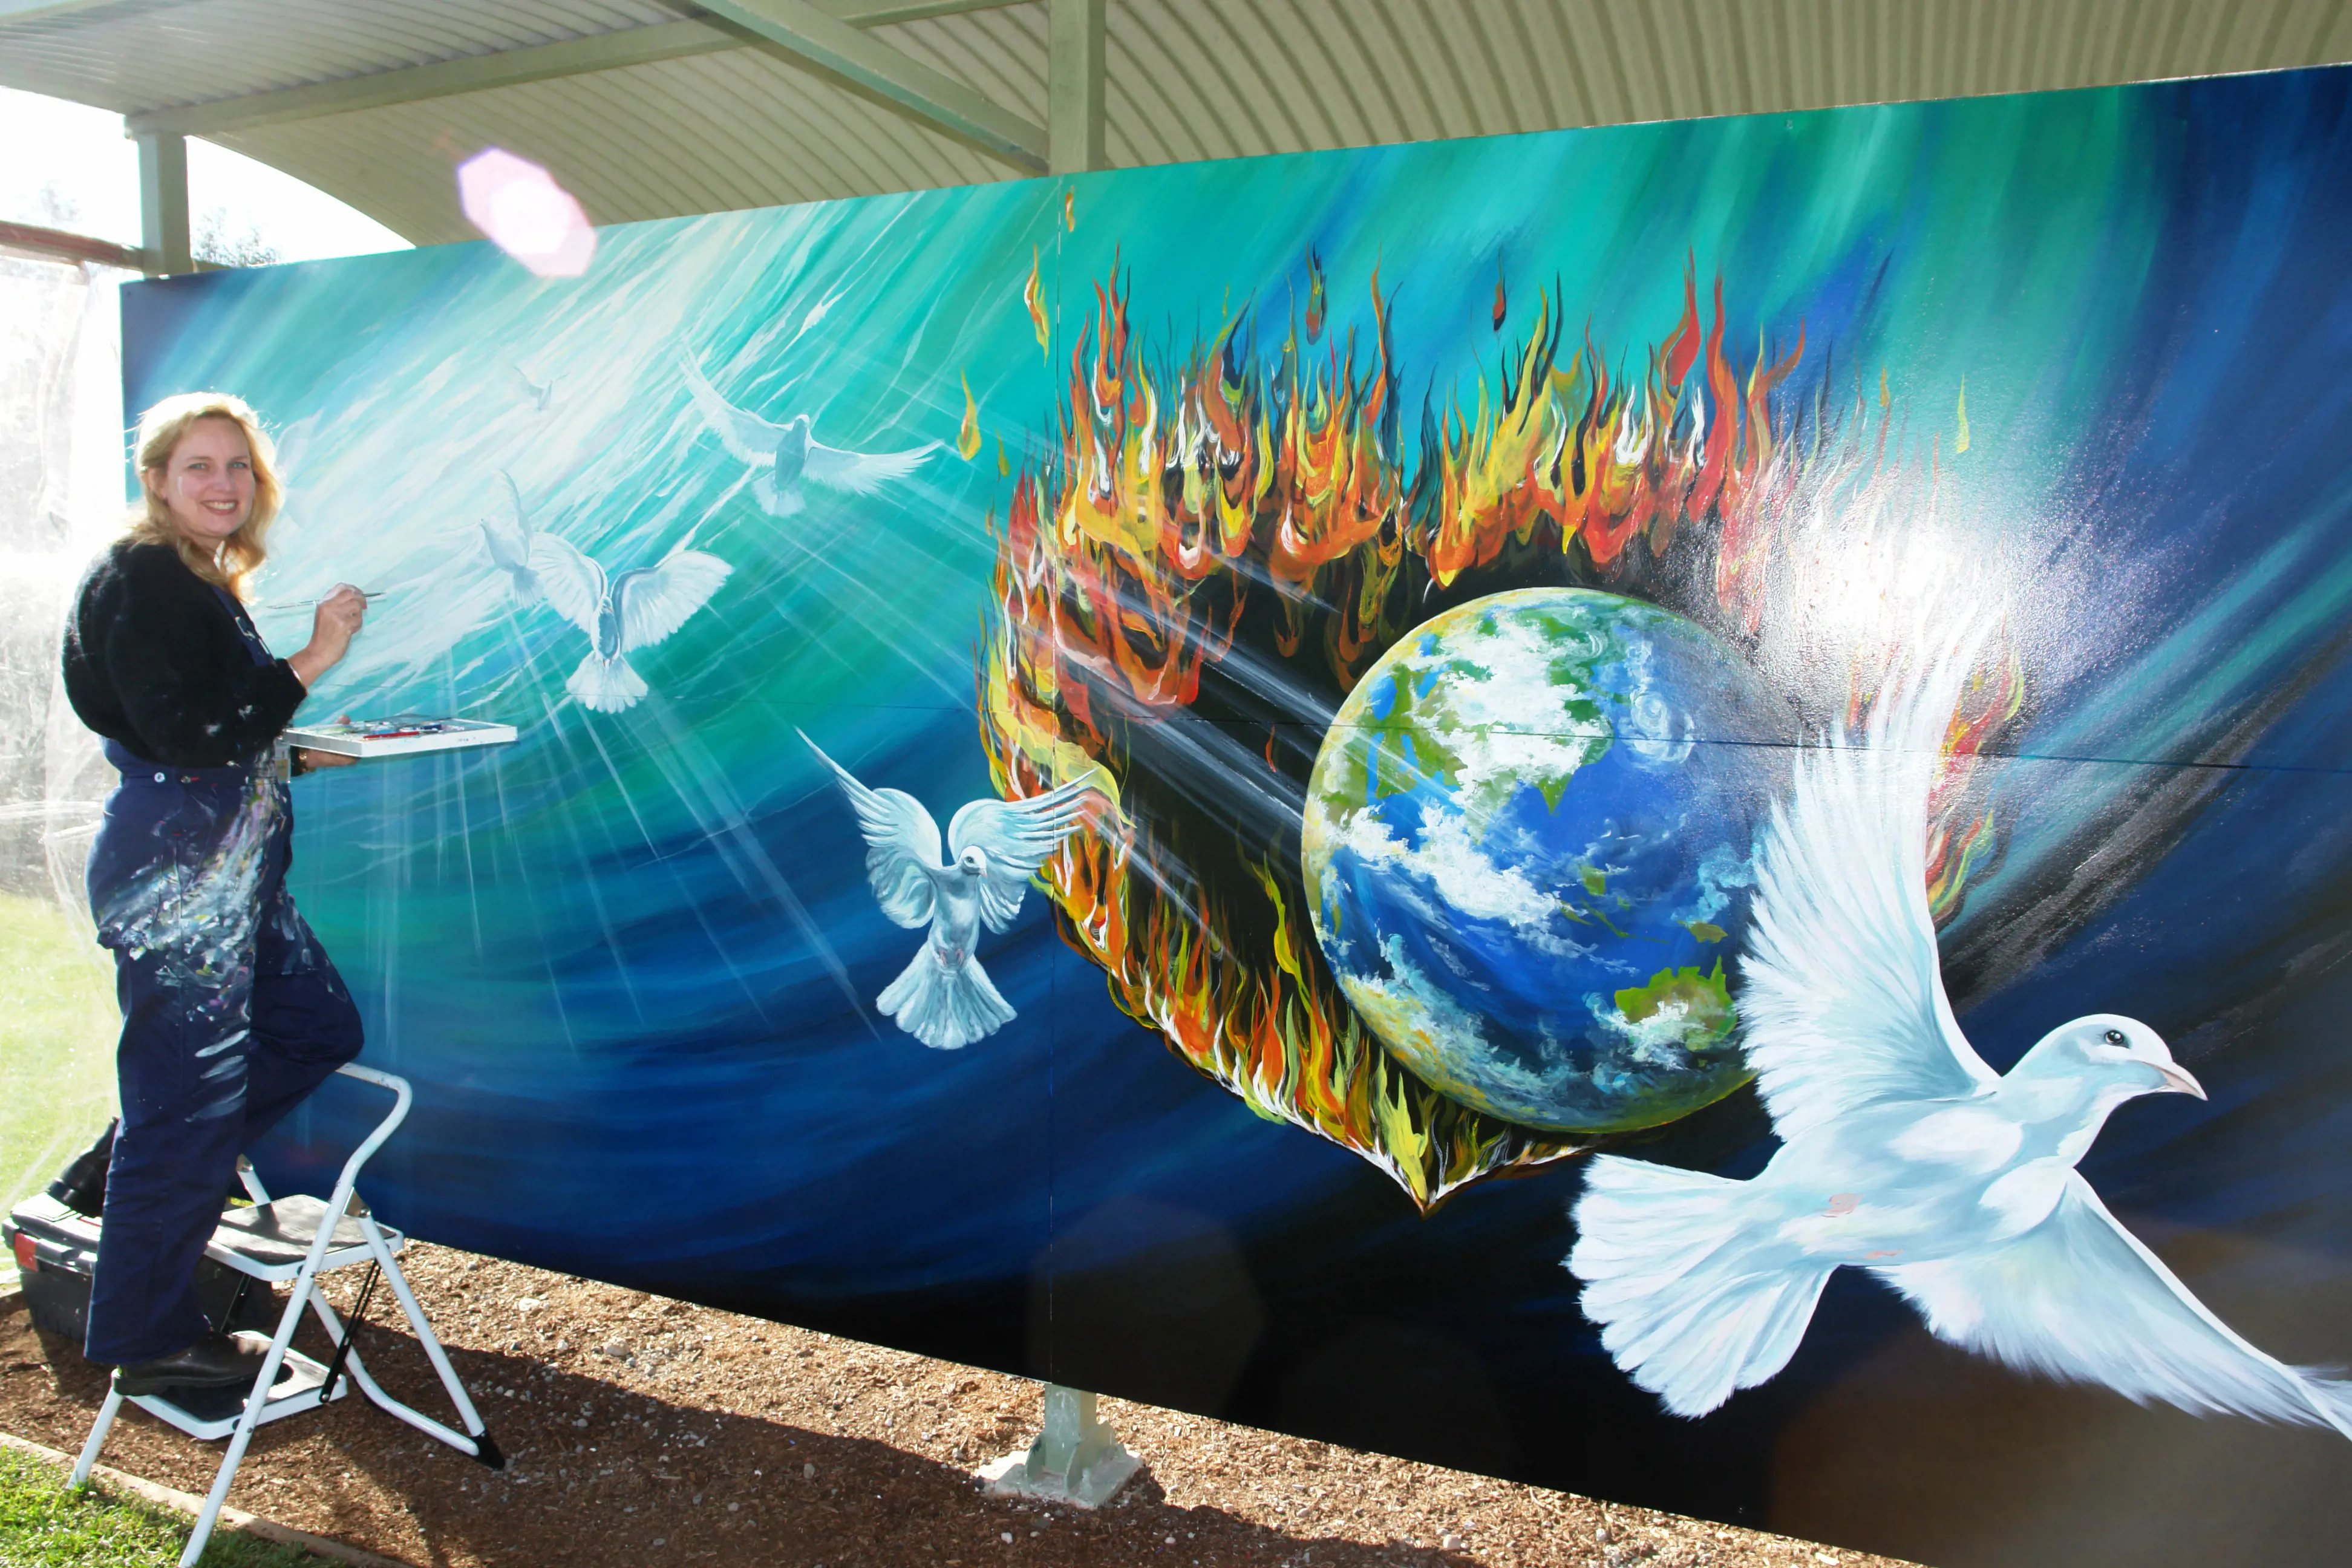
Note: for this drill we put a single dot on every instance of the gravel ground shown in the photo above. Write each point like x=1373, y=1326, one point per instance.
x=643, y=1431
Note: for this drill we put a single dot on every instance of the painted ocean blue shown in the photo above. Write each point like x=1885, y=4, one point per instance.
x=1399, y=616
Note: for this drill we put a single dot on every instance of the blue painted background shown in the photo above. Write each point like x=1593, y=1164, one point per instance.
x=629, y=961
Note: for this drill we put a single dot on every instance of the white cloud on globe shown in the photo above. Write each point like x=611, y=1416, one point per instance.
x=1467, y=881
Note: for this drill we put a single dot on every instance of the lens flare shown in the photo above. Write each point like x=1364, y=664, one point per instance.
x=520, y=209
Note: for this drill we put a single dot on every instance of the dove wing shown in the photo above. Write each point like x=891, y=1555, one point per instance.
x=862, y=473
x=902, y=844
x=751, y=439
x=2082, y=1299
x=656, y=601
x=573, y=583
x=1017, y=835
x=1842, y=998
x=508, y=531
x=292, y=445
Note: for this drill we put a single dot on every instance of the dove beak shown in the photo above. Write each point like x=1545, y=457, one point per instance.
x=2178, y=1081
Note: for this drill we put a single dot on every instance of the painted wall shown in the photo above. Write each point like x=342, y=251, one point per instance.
x=1958, y=487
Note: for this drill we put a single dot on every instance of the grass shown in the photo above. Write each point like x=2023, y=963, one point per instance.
x=58, y=1028
x=42, y=1525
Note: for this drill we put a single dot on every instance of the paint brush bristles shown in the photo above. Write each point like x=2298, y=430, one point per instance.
x=306, y=603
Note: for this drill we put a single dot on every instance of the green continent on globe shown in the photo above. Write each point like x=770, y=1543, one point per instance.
x=1528, y=850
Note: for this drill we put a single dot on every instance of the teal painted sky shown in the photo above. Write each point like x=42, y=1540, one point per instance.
x=2006, y=241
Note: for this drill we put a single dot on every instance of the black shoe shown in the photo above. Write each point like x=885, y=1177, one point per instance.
x=216, y=1361
x=81, y=1185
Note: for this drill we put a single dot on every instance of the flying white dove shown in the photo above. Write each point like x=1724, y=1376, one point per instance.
x=635, y=609
x=1902, y=1153
x=793, y=458
x=540, y=393
x=512, y=546
x=943, y=997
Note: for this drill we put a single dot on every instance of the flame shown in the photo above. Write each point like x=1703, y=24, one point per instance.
x=1032, y=294
x=968, y=436
x=1960, y=832
x=1232, y=522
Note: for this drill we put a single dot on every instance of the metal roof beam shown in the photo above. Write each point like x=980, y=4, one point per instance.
x=58, y=245
x=839, y=48
x=882, y=13
x=1074, y=84
x=42, y=10
x=507, y=67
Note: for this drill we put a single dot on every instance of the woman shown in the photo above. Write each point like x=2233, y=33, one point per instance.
x=231, y=1012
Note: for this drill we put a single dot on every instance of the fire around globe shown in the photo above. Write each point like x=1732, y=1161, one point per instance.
x=1528, y=852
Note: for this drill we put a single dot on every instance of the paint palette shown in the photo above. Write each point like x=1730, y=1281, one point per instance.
x=399, y=735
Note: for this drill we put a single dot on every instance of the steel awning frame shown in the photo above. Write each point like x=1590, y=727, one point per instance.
x=658, y=108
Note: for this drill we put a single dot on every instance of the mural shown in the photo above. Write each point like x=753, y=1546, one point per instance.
x=1547, y=688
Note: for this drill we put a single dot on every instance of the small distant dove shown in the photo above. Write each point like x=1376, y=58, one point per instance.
x=634, y=609
x=816, y=314
x=540, y=393
x=943, y=997
x=508, y=538
x=793, y=458
x=1902, y=1153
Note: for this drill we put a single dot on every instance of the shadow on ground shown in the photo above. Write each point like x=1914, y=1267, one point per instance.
x=600, y=1475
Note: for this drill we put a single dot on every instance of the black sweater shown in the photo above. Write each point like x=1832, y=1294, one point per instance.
x=156, y=660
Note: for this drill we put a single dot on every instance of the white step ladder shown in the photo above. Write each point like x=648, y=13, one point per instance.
x=300, y=1239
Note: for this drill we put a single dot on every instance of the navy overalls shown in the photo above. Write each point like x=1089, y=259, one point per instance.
x=231, y=1015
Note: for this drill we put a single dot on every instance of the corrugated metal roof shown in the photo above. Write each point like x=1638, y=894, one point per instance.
x=749, y=126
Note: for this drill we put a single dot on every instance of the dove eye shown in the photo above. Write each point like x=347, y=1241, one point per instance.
x=2116, y=1037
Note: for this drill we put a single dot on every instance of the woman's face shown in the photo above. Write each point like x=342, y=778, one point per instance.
x=207, y=484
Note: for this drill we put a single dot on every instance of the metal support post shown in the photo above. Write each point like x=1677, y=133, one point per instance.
x=163, y=203
x=1075, y=1459
x=1074, y=85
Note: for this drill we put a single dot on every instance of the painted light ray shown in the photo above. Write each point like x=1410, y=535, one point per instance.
x=733, y=831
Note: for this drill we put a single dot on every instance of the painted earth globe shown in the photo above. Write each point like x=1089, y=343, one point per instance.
x=1530, y=851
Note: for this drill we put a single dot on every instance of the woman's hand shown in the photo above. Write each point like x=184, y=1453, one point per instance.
x=333, y=627
x=313, y=761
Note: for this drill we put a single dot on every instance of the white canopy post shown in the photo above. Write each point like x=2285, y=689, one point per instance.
x=163, y=203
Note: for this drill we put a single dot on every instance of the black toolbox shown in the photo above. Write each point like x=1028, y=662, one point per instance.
x=56, y=1250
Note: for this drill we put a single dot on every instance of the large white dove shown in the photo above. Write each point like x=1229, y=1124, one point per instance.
x=635, y=608
x=791, y=456
x=943, y=997
x=1902, y=1153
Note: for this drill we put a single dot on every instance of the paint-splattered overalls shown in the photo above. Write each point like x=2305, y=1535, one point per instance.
x=231, y=1015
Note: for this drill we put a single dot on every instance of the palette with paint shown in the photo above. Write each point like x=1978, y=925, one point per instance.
x=399, y=735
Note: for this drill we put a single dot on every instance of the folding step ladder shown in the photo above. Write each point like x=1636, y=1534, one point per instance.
x=300, y=1239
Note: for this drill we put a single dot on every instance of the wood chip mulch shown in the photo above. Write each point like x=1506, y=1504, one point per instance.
x=645, y=1431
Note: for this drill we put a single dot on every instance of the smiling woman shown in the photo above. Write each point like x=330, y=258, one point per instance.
x=232, y=1011
x=212, y=493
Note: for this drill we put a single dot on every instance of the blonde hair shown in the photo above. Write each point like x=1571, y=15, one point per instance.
x=234, y=559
